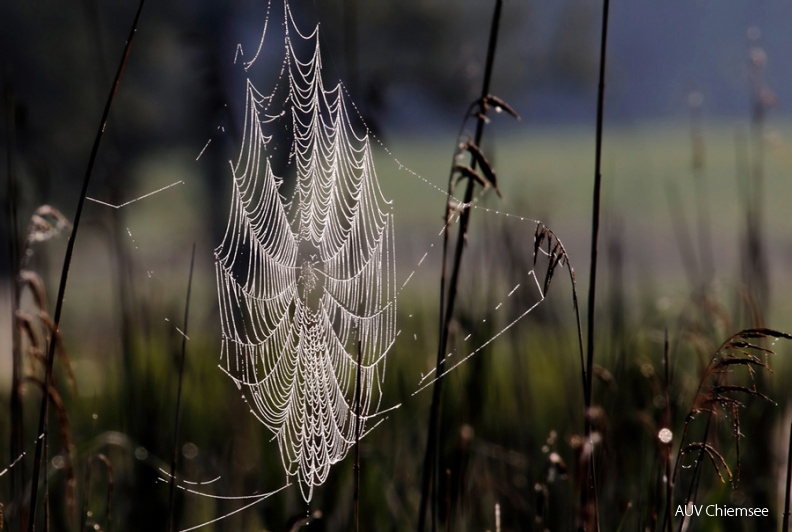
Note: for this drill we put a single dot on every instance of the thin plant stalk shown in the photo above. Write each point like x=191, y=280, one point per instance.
x=429, y=476
x=595, y=215
x=668, y=520
x=350, y=43
x=685, y=244
x=357, y=439
x=678, y=463
x=788, y=491
x=707, y=261
x=449, y=522
x=128, y=304
x=122, y=277
x=42, y=426
x=595, y=222
x=756, y=268
x=86, y=496
x=87, y=491
x=696, y=481
x=177, y=421
x=17, y=476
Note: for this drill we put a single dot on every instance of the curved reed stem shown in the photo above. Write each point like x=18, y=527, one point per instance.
x=41, y=440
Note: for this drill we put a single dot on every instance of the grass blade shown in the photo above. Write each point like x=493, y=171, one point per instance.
x=429, y=475
x=595, y=222
x=357, y=439
x=788, y=492
x=176, y=422
x=42, y=426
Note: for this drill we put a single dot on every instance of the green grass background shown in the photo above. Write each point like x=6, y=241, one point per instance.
x=505, y=411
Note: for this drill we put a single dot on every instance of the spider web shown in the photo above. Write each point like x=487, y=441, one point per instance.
x=306, y=277
x=306, y=271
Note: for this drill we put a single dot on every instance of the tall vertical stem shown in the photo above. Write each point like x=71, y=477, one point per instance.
x=177, y=421
x=788, y=490
x=595, y=222
x=429, y=477
x=42, y=426
x=668, y=519
x=357, y=438
x=351, y=45
x=17, y=476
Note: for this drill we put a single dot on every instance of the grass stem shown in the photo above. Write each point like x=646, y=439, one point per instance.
x=42, y=425
x=788, y=491
x=429, y=476
x=357, y=438
x=17, y=476
x=669, y=485
x=176, y=422
x=595, y=222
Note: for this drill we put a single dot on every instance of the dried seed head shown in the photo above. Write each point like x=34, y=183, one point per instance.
x=36, y=284
x=47, y=222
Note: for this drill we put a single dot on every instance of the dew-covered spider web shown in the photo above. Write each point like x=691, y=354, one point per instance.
x=306, y=271
x=310, y=269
